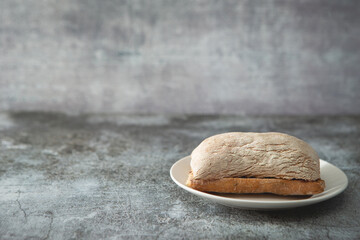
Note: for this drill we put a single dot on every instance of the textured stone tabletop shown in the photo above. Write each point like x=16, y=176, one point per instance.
x=107, y=177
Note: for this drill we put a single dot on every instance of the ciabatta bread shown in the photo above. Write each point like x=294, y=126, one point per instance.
x=255, y=155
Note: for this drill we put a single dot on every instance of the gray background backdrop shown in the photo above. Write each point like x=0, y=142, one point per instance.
x=242, y=57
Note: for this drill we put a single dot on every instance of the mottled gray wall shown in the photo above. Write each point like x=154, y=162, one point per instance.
x=270, y=57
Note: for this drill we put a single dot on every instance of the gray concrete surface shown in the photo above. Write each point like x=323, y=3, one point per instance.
x=161, y=56
x=107, y=177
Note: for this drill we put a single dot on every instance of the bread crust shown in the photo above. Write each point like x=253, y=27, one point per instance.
x=259, y=155
x=257, y=185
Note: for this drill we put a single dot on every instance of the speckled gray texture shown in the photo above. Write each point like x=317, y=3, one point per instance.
x=161, y=56
x=107, y=177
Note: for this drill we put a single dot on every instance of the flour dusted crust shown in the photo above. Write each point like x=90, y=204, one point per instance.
x=259, y=155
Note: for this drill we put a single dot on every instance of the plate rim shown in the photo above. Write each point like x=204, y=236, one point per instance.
x=307, y=201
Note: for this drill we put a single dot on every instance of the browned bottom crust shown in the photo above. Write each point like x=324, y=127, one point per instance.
x=257, y=185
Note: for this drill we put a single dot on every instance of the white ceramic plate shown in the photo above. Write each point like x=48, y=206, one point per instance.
x=335, y=181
